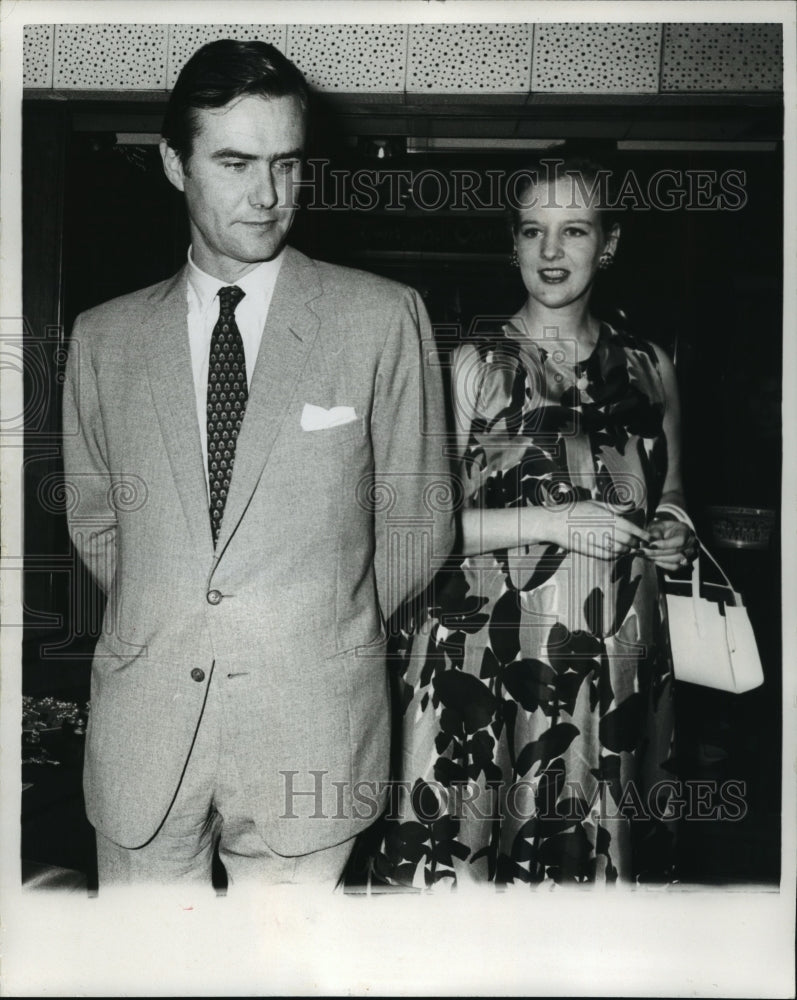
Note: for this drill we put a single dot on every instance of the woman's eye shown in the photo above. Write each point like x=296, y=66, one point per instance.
x=530, y=233
x=575, y=231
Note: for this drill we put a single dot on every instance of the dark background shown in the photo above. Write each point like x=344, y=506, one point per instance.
x=101, y=220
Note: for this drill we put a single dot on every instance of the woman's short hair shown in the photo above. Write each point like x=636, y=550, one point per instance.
x=586, y=175
x=218, y=73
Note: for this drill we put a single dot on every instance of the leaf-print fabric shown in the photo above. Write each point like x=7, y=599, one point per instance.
x=537, y=694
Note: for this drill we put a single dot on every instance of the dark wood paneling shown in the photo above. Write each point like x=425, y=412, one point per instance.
x=48, y=578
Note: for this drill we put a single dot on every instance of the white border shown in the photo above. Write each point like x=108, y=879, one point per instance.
x=623, y=943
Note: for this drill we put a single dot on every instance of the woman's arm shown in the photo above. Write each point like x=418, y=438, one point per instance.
x=588, y=526
x=673, y=544
x=673, y=491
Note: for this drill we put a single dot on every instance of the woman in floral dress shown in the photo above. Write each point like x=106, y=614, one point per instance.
x=537, y=722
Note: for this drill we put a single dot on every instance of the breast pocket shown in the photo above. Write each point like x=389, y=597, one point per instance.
x=308, y=466
x=332, y=455
x=332, y=437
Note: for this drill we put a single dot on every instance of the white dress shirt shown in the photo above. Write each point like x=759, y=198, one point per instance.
x=203, y=311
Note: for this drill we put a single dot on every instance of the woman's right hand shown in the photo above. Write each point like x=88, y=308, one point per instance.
x=591, y=528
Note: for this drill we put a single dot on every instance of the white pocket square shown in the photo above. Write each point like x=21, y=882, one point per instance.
x=316, y=418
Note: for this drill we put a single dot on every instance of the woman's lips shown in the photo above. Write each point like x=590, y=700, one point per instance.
x=553, y=275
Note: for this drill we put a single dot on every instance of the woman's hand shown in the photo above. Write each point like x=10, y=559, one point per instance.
x=673, y=545
x=594, y=529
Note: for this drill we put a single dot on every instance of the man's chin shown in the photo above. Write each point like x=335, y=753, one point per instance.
x=261, y=251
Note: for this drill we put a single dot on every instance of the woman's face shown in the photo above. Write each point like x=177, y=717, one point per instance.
x=559, y=242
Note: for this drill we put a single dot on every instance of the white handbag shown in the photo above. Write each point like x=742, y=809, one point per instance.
x=711, y=638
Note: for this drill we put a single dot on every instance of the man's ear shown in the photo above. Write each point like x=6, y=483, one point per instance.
x=172, y=165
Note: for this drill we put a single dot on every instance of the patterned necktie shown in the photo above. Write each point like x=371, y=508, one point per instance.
x=227, y=395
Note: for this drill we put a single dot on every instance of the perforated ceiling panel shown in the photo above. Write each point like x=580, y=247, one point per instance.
x=596, y=58
x=110, y=56
x=722, y=57
x=185, y=39
x=469, y=58
x=37, y=66
x=350, y=57
x=428, y=58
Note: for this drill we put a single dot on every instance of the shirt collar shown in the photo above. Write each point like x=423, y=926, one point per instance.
x=257, y=285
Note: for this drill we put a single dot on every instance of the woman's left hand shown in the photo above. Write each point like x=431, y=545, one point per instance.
x=673, y=545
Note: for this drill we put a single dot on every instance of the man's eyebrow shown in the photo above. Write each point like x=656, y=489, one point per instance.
x=228, y=153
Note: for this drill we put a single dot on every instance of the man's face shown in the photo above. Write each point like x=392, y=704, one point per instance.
x=239, y=183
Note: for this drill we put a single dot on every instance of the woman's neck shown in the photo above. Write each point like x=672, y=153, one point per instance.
x=574, y=327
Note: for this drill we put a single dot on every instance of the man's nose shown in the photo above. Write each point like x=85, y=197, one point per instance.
x=263, y=193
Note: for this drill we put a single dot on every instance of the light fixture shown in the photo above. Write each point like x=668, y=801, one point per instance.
x=381, y=148
x=453, y=144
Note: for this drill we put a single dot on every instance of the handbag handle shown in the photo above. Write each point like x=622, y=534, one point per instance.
x=680, y=515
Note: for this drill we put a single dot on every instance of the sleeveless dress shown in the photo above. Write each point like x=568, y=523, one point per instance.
x=536, y=737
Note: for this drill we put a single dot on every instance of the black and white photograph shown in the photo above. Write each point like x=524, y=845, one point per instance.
x=398, y=498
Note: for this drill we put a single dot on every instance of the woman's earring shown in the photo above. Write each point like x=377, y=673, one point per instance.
x=605, y=260
x=513, y=260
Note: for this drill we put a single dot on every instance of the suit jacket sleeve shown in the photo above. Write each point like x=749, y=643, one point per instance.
x=89, y=488
x=412, y=492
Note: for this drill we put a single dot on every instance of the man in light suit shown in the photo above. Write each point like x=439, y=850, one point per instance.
x=255, y=476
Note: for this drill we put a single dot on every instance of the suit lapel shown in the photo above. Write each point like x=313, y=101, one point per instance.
x=290, y=331
x=169, y=363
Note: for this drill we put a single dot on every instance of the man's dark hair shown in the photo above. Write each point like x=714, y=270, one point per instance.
x=218, y=73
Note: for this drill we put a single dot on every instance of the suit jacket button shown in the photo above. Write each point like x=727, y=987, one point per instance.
x=214, y=596
x=197, y=674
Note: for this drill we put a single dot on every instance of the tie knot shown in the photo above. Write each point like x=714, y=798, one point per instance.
x=229, y=297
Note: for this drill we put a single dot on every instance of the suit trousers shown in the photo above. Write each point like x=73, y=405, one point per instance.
x=211, y=807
